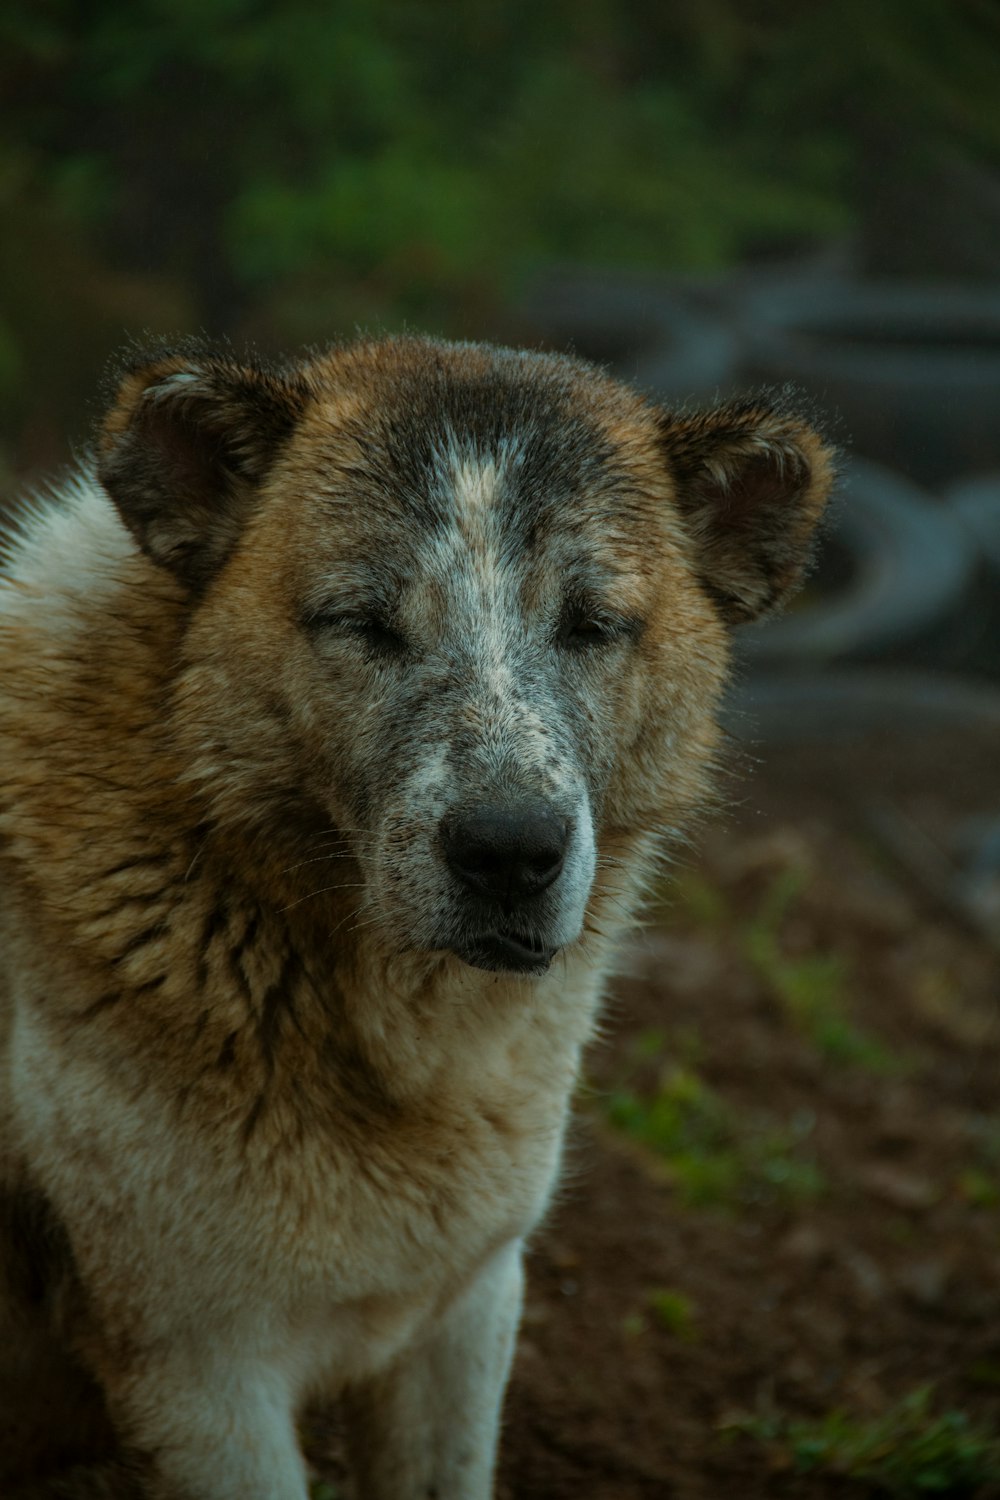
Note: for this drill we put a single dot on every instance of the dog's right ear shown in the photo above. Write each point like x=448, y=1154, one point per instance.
x=184, y=446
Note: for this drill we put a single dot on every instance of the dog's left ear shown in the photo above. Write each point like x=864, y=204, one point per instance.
x=750, y=483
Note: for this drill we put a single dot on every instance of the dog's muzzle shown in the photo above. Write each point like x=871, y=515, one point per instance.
x=505, y=858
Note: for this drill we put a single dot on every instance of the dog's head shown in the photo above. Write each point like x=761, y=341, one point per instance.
x=466, y=606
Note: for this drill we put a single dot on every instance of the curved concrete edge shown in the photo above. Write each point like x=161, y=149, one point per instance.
x=976, y=503
x=914, y=566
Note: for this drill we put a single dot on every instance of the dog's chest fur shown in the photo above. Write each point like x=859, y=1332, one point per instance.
x=274, y=1172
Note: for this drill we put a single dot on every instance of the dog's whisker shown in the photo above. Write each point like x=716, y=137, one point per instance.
x=315, y=860
x=351, y=885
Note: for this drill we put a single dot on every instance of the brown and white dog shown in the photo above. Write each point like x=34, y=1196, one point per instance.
x=345, y=709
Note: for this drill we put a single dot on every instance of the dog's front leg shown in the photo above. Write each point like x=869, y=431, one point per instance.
x=210, y=1429
x=427, y=1428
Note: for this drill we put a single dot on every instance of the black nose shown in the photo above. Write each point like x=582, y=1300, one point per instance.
x=507, y=853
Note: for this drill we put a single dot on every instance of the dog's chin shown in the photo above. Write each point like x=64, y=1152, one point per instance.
x=505, y=953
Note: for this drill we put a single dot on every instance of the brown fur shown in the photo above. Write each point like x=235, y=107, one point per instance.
x=263, y=1131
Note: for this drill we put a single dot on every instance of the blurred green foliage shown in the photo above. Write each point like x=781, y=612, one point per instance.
x=906, y=1451
x=812, y=987
x=287, y=171
x=714, y=1155
x=673, y=1311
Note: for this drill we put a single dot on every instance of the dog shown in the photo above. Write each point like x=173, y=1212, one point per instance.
x=347, y=707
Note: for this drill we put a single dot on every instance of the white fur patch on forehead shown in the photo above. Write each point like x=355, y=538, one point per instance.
x=474, y=475
x=475, y=483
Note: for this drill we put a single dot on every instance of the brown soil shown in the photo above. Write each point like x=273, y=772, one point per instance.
x=886, y=1277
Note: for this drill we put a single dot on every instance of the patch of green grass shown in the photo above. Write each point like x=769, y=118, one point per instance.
x=906, y=1452
x=647, y=1044
x=634, y=1325
x=979, y=1182
x=980, y=1189
x=682, y=1043
x=666, y=1307
x=690, y=899
x=714, y=1157
x=320, y=1489
x=673, y=1311
x=812, y=988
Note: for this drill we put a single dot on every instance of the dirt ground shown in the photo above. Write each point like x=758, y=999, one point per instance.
x=783, y=1188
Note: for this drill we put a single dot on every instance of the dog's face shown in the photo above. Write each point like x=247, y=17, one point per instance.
x=467, y=606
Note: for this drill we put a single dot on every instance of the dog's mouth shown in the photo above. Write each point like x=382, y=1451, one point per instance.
x=507, y=951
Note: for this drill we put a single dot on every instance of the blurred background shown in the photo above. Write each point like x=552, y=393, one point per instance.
x=786, y=1232
x=708, y=195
